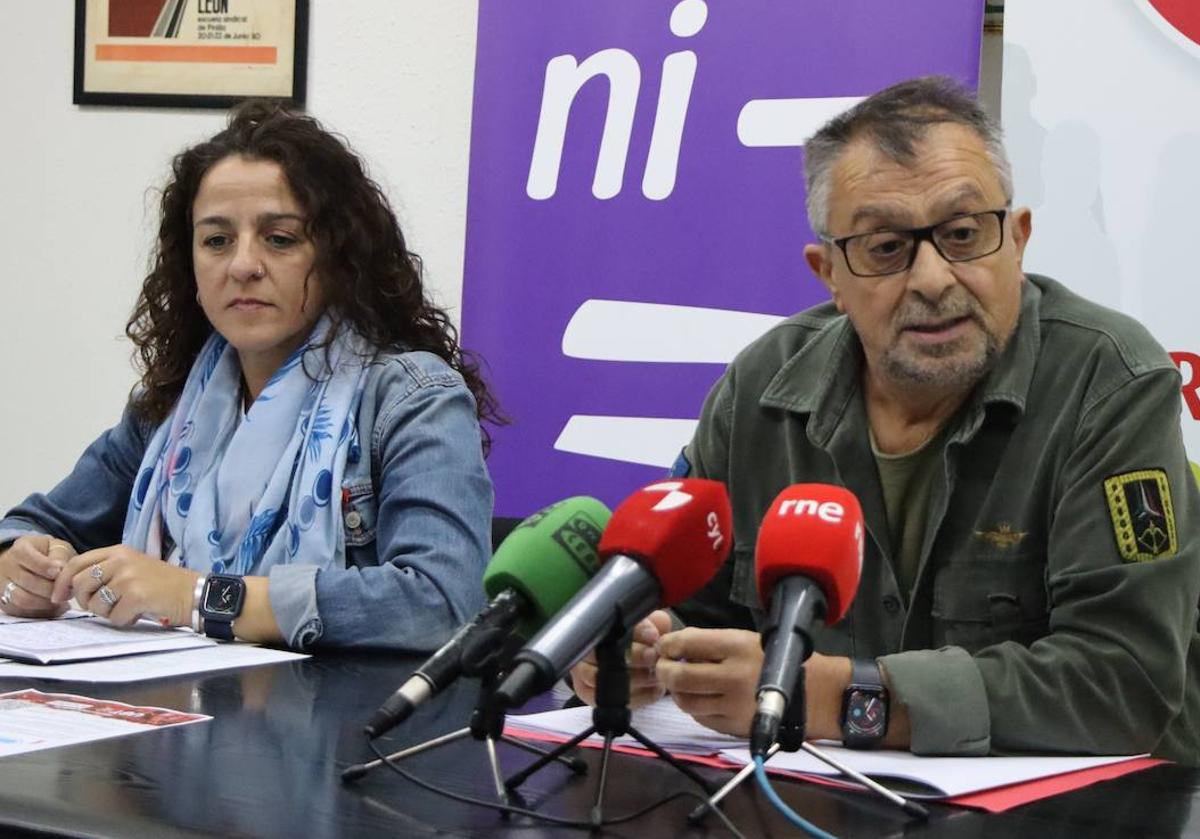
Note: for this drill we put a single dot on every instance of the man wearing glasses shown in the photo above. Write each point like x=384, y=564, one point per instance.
x=1032, y=562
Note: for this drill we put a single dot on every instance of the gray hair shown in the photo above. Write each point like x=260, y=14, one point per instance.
x=895, y=119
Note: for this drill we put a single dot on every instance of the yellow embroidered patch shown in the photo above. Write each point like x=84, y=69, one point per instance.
x=1139, y=504
x=1003, y=536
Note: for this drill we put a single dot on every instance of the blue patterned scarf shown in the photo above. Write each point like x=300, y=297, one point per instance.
x=239, y=494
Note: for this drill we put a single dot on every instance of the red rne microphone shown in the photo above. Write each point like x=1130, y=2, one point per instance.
x=808, y=560
x=661, y=546
x=815, y=530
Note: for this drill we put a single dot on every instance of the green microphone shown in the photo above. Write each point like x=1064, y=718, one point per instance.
x=547, y=558
x=534, y=572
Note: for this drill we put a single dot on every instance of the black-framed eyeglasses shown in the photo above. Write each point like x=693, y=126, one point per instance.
x=959, y=239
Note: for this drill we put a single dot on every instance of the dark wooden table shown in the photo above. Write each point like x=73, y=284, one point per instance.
x=270, y=760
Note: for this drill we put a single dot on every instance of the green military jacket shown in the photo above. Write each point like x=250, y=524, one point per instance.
x=1055, y=607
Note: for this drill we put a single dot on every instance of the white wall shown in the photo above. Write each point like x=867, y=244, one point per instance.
x=77, y=205
x=1105, y=153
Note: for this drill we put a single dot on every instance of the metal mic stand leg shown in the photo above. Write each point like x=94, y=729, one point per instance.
x=658, y=750
x=482, y=727
x=697, y=815
x=910, y=807
x=494, y=764
x=575, y=764
x=487, y=724
x=791, y=739
x=353, y=773
x=610, y=718
x=557, y=753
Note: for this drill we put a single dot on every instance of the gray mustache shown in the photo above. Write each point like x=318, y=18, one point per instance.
x=920, y=313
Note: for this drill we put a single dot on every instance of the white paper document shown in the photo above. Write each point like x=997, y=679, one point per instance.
x=933, y=777
x=80, y=638
x=662, y=722
x=152, y=665
x=31, y=720
x=69, y=615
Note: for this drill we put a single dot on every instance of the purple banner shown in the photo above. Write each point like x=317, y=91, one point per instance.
x=636, y=207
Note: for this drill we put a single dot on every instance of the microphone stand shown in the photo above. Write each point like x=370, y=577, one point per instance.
x=791, y=739
x=610, y=719
x=487, y=724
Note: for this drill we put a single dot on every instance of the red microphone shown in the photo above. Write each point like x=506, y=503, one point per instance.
x=662, y=544
x=808, y=561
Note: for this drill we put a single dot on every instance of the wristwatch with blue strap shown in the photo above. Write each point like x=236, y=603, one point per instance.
x=218, y=604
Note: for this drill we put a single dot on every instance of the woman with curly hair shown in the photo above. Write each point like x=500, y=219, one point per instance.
x=302, y=460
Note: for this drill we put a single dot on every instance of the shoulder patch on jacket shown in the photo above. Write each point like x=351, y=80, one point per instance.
x=682, y=467
x=1139, y=505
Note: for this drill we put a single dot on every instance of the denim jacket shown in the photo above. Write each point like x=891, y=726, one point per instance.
x=416, y=515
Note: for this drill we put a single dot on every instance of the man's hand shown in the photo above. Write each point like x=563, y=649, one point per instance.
x=137, y=584
x=713, y=676
x=31, y=564
x=825, y=681
x=644, y=687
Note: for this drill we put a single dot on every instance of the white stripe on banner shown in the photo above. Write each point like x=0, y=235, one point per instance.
x=624, y=330
x=788, y=122
x=651, y=441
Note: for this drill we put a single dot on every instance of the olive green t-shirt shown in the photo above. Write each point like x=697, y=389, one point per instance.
x=907, y=482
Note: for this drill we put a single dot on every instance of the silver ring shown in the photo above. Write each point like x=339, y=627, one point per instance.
x=109, y=596
x=6, y=595
x=97, y=573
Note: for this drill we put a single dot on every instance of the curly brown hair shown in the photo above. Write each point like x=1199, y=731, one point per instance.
x=372, y=282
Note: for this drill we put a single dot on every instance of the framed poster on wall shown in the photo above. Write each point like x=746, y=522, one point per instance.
x=189, y=53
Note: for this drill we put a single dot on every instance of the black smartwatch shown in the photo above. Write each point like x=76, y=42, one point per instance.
x=221, y=603
x=864, y=707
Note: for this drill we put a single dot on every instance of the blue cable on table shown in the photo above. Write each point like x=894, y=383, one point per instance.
x=760, y=773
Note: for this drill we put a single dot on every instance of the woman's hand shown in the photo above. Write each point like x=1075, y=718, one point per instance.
x=644, y=687
x=122, y=584
x=28, y=569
